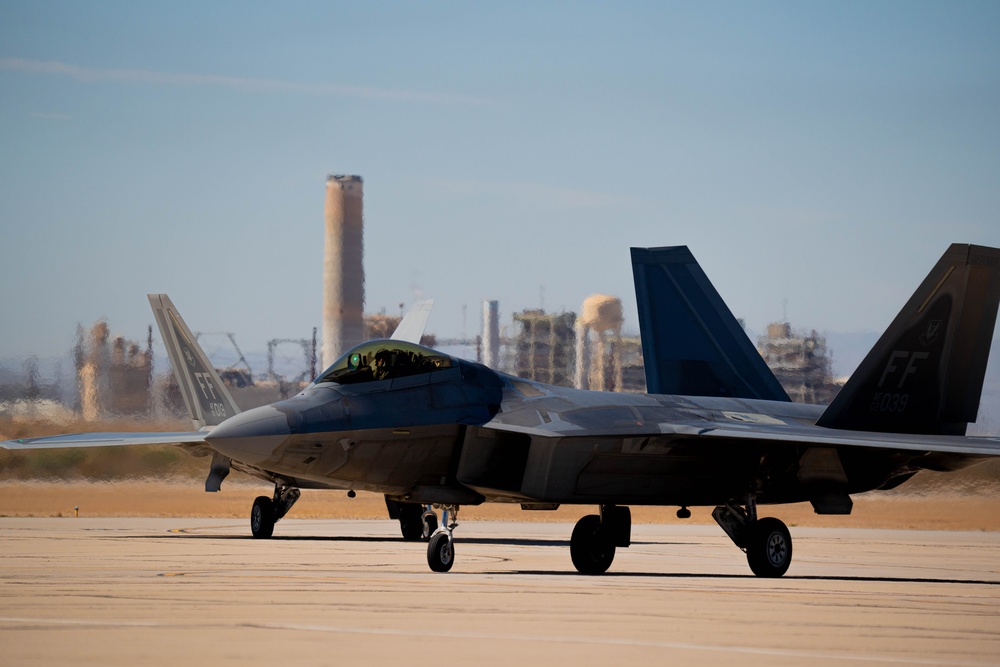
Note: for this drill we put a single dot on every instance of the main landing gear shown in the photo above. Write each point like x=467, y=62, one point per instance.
x=441, y=549
x=767, y=542
x=595, y=537
x=268, y=511
x=416, y=522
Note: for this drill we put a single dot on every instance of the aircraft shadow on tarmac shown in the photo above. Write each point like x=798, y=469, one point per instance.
x=748, y=575
x=535, y=542
x=521, y=542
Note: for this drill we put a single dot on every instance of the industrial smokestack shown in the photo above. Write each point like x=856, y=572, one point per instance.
x=581, y=377
x=491, y=334
x=343, y=267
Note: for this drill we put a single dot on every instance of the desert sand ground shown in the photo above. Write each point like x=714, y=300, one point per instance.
x=155, y=571
x=149, y=498
x=174, y=591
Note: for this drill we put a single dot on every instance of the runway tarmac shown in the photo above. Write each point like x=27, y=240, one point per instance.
x=202, y=592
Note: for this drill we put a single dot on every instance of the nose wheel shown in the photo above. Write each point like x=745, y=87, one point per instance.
x=268, y=511
x=262, y=518
x=441, y=548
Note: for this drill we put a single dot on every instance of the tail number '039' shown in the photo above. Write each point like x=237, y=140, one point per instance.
x=885, y=401
x=217, y=409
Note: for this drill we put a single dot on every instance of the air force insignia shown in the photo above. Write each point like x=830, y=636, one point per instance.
x=933, y=332
x=189, y=357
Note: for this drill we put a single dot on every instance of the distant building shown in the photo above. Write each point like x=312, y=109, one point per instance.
x=114, y=376
x=802, y=363
x=544, y=346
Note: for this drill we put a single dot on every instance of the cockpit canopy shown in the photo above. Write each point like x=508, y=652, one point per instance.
x=383, y=360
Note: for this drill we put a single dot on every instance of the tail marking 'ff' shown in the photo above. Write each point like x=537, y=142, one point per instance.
x=207, y=399
x=925, y=374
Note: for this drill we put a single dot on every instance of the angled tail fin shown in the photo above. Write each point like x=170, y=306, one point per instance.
x=925, y=374
x=206, y=398
x=691, y=343
x=411, y=328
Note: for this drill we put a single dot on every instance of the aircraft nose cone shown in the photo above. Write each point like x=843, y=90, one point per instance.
x=250, y=436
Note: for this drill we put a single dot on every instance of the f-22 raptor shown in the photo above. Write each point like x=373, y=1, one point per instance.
x=428, y=429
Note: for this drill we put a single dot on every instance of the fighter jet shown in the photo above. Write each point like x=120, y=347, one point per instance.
x=425, y=428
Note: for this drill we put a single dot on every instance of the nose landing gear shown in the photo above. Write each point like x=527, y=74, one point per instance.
x=268, y=511
x=441, y=549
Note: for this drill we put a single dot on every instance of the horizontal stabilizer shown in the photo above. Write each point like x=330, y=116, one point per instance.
x=692, y=344
x=73, y=440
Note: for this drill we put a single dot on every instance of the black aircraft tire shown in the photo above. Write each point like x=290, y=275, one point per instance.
x=769, y=548
x=432, y=525
x=262, y=518
x=412, y=530
x=411, y=522
x=441, y=552
x=591, y=552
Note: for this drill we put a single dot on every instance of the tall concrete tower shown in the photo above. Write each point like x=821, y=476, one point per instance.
x=343, y=267
x=491, y=334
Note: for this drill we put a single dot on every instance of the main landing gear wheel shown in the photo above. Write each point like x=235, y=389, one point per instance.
x=262, y=518
x=592, y=552
x=441, y=552
x=410, y=523
x=417, y=522
x=769, y=548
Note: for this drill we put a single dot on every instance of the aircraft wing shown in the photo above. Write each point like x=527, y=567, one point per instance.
x=106, y=440
x=613, y=423
x=804, y=435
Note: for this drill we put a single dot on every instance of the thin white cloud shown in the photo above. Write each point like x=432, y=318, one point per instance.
x=50, y=116
x=534, y=193
x=92, y=74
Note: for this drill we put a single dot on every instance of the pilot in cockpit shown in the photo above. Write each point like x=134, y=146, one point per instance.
x=382, y=364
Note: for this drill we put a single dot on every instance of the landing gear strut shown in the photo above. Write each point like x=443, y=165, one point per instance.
x=268, y=511
x=592, y=545
x=441, y=549
x=767, y=542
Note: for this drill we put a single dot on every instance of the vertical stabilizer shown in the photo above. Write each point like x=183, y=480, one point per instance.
x=411, y=327
x=925, y=374
x=207, y=399
x=691, y=343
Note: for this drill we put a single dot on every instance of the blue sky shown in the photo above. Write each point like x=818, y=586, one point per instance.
x=817, y=157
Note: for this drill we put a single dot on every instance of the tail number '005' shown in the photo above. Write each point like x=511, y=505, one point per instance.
x=885, y=401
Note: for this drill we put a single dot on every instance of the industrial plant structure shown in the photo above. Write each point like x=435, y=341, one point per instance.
x=800, y=362
x=115, y=376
